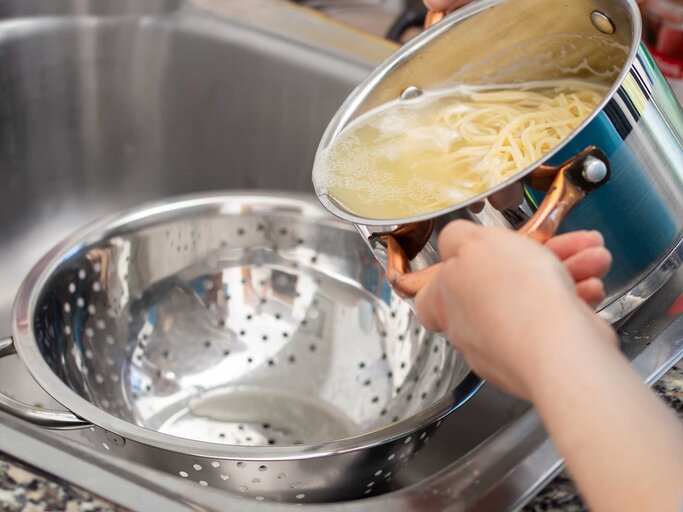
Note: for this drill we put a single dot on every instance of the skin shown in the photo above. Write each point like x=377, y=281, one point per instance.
x=518, y=312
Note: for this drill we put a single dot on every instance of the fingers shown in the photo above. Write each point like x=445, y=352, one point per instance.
x=455, y=235
x=428, y=307
x=592, y=262
x=569, y=244
x=507, y=198
x=592, y=291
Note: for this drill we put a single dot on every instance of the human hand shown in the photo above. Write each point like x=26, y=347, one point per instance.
x=504, y=301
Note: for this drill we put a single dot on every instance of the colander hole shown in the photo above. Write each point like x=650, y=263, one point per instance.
x=250, y=360
x=264, y=337
x=243, y=488
x=291, y=359
x=266, y=426
x=283, y=231
x=281, y=476
x=67, y=307
x=99, y=379
x=221, y=435
x=243, y=332
x=300, y=496
x=203, y=483
x=417, y=331
x=148, y=387
x=435, y=349
x=240, y=427
x=160, y=373
x=241, y=465
x=384, y=355
x=166, y=353
x=398, y=389
x=226, y=353
x=295, y=485
x=100, y=325
x=382, y=412
x=391, y=457
x=436, y=369
x=423, y=396
x=243, y=281
x=393, y=314
x=263, y=301
x=223, y=244
x=383, y=334
x=312, y=347
x=255, y=480
x=408, y=439
x=285, y=335
x=260, y=227
x=403, y=365
x=390, y=374
x=416, y=378
x=207, y=344
x=259, y=498
x=394, y=419
x=263, y=468
x=409, y=397
x=401, y=337
x=375, y=399
x=248, y=439
x=388, y=475
x=225, y=477
x=81, y=274
x=271, y=362
x=278, y=316
x=80, y=302
x=96, y=286
x=304, y=322
x=88, y=354
x=271, y=441
x=361, y=365
x=378, y=472
x=367, y=491
x=240, y=231
x=300, y=241
x=249, y=317
x=314, y=259
x=227, y=296
x=72, y=288
x=370, y=484
x=367, y=382
x=438, y=423
x=105, y=446
x=183, y=474
x=423, y=435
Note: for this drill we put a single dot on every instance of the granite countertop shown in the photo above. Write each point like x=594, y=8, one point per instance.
x=28, y=490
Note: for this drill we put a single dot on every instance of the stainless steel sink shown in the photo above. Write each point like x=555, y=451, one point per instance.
x=106, y=105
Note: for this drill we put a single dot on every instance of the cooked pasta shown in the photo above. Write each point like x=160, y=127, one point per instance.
x=412, y=157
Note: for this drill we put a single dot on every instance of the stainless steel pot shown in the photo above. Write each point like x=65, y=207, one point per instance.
x=637, y=131
x=246, y=342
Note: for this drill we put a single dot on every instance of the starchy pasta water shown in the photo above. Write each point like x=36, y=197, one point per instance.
x=417, y=156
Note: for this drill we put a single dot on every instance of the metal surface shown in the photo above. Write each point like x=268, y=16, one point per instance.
x=87, y=84
x=210, y=335
x=499, y=472
x=639, y=125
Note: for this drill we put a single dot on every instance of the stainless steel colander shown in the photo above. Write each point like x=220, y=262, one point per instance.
x=246, y=342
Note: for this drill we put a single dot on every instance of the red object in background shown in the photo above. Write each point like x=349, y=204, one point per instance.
x=663, y=35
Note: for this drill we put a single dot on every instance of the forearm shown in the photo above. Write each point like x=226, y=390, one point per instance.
x=621, y=444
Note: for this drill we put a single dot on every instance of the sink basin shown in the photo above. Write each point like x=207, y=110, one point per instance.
x=105, y=106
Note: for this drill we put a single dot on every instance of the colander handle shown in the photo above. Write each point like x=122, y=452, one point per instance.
x=569, y=183
x=47, y=418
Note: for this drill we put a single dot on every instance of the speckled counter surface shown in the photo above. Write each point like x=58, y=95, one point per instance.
x=27, y=490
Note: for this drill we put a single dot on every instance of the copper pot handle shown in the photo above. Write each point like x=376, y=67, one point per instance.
x=573, y=181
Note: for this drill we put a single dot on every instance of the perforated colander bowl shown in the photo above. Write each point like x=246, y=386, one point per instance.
x=247, y=342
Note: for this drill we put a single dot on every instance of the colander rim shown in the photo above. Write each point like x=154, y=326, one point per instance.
x=26, y=343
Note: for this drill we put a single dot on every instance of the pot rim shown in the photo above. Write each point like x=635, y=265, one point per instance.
x=344, y=115
x=27, y=347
